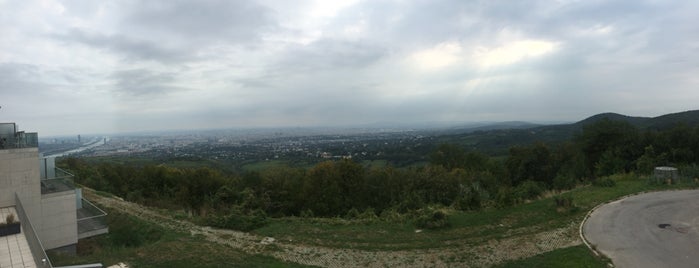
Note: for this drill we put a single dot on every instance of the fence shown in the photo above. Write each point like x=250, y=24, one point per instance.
x=34, y=243
x=10, y=138
x=91, y=220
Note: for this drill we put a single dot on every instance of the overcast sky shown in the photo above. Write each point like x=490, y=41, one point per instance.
x=71, y=67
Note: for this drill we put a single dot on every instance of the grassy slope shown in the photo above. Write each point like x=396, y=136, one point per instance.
x=572, y=257
x=182, y=250
x=467, y=227
x=142, y=244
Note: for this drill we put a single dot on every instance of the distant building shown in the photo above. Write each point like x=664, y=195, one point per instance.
x=51, y=209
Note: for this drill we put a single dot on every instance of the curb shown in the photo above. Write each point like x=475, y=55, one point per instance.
x=580, y=229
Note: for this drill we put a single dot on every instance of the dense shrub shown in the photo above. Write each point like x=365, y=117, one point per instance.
x=429, y=218
x=125, y=231
x=564, y=182
x=604, y=182
x=352, y=214
x=565, y=204
x=504, y=197
x=470, y=199
x=529, y=190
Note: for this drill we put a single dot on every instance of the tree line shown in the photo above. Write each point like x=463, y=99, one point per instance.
x=454, y=177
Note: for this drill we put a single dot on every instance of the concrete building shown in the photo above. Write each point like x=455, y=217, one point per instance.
x=51, y=209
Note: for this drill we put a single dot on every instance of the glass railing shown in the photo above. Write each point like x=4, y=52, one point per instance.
x=19, y=140
x=62, y=181
x=91, y=220
x=35, y=246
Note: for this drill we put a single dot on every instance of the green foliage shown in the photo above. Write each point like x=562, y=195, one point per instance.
x=647, y=162
x=609, y=145
x=604, y=182
x=564, y=203
x=458, y=178
x=430, y=218
x=167, y=248
x=352, y=214
x=528, y=190
x=564, y=182
x=466, y=227
x=504, y=197
x=125, y=231
x=574, y=257
x=470, y=199
x=689, y=171
x=239, y=221
x=449, y=156
x=10, y=218
x=307, y=214
x=610, y=163
x=533, y=163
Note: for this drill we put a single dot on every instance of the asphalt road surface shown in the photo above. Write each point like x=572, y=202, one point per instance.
x=659, y=229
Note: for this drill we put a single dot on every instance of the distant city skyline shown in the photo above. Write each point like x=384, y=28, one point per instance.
x=101, y=67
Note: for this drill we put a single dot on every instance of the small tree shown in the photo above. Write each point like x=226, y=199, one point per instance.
x=10, y=219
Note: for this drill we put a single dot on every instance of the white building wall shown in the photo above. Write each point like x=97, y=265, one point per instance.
x=52, y=215
x=19, y=174
x=59, y=220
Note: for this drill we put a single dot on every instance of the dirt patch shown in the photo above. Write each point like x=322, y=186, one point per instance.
x=492, y=252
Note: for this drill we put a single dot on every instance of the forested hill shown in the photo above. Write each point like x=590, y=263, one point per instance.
x=498, y=141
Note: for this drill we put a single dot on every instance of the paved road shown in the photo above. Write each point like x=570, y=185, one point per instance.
x=659, y=229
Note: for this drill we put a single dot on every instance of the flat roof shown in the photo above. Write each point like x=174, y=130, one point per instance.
x=14, y=249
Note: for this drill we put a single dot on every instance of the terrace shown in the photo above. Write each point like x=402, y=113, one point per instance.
x=92, y=221
x=56, y=180
x=10, y=138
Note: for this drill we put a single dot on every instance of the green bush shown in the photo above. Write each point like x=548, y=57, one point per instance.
x=565, y=204
x=429, y=218
x=352, y=214
x=308, y=213
x=470, y=199
x=125, y=231
x=604, y=182
x=368, y=214
x=392, y=215
x=564, y=182
x=528, y=190
x=504, y=197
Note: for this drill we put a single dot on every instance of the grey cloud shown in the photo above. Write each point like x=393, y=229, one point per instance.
x=144, y=83
x=330, y=54
x=240, y=21
x=130, y=48
x=18, y=78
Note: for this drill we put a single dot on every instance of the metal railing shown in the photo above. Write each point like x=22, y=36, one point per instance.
x=60, y=182
x=91, y=220
x=35, y=245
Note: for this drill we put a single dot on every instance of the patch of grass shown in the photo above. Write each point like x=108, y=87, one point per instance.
x=157, y=247
x=468, y=227
x=574, y=257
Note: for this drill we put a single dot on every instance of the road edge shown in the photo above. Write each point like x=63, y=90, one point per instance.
x=580, y=228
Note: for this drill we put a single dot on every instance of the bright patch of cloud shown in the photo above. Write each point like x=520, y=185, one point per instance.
x=437, y=57
x=513, y=52
x=324, y=8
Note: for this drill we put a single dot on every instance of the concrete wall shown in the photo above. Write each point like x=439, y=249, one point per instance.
x=59, y=225
x=19, y=174
x=53, y=215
